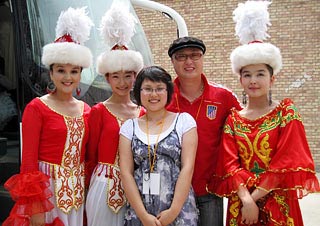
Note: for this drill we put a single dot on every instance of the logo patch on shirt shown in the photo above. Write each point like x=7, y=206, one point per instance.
x=211, y=111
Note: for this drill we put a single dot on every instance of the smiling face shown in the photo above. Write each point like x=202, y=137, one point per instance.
x=153, y=95
x=121, y=82
x=256, y=80
x=191, y=66
x=66, y=77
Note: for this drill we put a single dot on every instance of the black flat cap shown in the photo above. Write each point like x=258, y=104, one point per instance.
x=186, y=42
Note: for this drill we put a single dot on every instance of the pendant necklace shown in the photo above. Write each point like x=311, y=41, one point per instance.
x=153, y=160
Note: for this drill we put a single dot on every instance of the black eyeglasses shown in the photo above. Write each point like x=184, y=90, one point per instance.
x=184, y=57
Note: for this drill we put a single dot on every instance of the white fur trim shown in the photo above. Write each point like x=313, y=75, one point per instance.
x=66, y=53
x=256, y=53
x=119, y=60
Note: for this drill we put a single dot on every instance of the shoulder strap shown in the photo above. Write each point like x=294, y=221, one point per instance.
x=132, y=127
x=175, y=125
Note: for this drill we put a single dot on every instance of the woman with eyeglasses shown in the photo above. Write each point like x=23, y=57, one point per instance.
x=157, y=154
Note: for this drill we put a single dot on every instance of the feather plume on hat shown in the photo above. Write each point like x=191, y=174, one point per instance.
x=117, y=29
x=72, y=30
x=76, y=23
x=252, y=21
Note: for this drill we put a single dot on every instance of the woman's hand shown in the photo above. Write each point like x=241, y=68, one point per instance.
x=150, y=220
x=250, y=213
x=166, y=217
x=37, y=219
x=249, y=210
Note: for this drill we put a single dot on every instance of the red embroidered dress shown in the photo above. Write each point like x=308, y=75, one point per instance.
x=271, y=153
x=106, y=196
x=51, y=176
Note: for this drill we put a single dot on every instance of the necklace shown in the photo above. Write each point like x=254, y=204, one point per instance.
x=153, y=160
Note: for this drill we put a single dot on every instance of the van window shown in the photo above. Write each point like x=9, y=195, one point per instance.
x=42, y=18
x=25, y=27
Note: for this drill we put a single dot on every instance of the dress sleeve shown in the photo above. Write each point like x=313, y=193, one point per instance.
x=292, y=166
x=95, y=127
x=127, y=129
x=184, y=124
x=29, y=189
x=32, y=123
x=229, y=174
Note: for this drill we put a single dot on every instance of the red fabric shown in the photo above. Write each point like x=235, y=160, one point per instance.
x=40, y=142
x=16, y=221
x=104, y=135
x=272, y=153
x=209, y=130
x=224, y=187
x=65, y=38
x=56, y=222
x=119, y=47
x=44, y=135
x=29, y=189
x=30, y=192
x=24, y=221
x=103, y=139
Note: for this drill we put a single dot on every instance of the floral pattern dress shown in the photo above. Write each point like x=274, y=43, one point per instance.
x=270, y=153
x=168, y=164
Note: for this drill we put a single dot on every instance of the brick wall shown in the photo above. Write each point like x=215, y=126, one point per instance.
x=295, y=30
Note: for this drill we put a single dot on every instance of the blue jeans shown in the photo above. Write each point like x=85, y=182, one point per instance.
x=211, y=210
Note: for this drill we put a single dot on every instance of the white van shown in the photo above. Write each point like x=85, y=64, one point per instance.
x=25, y=27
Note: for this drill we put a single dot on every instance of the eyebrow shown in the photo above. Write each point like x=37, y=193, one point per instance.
x=261, y=70
x=155, y=86
x=158, y=85
x=62, y=66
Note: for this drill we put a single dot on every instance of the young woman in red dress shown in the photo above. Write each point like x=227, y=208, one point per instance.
x=265, y=160
x=106, y=198
x=50, y=187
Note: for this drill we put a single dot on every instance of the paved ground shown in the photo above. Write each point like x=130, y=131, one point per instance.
x=310, y=208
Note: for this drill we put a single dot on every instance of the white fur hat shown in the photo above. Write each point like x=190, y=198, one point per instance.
x=252, y=21
x=117, y=29
x=72, y=30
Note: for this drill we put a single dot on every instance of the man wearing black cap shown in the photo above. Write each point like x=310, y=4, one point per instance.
x=209, y=104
